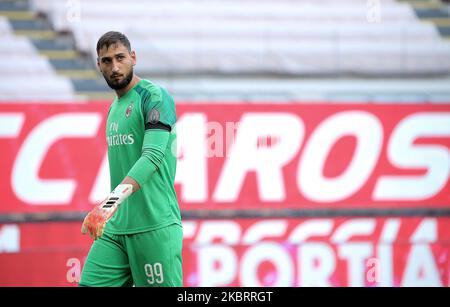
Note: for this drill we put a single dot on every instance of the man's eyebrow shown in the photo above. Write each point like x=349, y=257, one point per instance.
x=108, y=57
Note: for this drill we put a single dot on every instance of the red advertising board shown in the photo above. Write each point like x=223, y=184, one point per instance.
x=255, y=252
x=238, y=156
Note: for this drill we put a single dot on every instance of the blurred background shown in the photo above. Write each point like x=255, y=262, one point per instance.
x=313, y=136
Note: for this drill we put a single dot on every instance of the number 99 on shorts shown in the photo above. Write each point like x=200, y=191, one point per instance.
x=154, y=273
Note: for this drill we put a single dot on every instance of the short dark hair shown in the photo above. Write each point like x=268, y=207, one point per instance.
x=111, y=38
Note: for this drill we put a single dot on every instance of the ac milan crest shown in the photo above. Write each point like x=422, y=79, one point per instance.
x=129, y=109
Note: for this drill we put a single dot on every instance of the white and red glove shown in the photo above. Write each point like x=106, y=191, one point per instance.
x=97, y=218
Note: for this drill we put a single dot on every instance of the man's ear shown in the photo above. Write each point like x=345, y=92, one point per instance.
x=98, y=65
x=133, y=57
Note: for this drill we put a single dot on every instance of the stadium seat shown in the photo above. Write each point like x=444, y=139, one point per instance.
x=30, y=76
x=254, y=37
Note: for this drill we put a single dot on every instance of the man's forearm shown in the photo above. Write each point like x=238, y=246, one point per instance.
x=153, y=150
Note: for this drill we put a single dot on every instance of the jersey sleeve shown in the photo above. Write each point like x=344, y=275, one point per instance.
x=153, y=150
x=158, y=109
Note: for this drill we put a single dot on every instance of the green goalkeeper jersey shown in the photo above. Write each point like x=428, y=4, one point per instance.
x=141, y=137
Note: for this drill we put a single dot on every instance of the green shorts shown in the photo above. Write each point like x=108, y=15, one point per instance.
x=147, y=259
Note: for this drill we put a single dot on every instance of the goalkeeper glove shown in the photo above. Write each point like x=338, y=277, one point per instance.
x=97, y=218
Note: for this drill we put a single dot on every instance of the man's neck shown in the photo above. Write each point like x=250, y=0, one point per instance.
x=133, y=82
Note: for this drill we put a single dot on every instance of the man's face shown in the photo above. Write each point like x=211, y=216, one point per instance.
x=116, y=64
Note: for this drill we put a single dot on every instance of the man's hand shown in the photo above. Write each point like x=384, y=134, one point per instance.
x=96, y=220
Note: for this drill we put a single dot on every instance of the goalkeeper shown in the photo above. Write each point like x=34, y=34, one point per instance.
x=137, y=230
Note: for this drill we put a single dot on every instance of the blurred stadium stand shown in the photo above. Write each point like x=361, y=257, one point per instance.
x=249, y=50
x=24, y=66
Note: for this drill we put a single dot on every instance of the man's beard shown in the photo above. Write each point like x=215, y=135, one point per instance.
x=121, y=85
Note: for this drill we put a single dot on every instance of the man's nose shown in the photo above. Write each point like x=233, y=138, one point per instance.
x=115, y=67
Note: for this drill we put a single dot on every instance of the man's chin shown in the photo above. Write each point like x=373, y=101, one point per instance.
x=117, y=85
